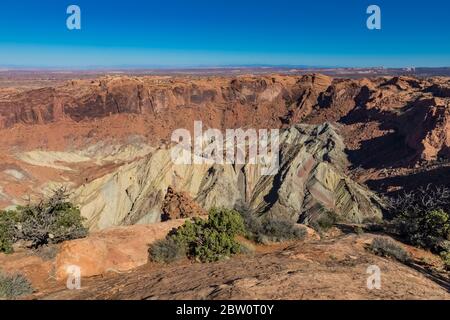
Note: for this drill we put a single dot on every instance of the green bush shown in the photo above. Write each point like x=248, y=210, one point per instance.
x=213, y=239
x=190, y=234
x=421, y=216
x=214, y=245
x=8, y=219
x=424, y=229
x=386, y=247
x=203, y=240
x=445, y=255
x=264, y=230
x=13, y=286
x=227, y=221
x=51, y=221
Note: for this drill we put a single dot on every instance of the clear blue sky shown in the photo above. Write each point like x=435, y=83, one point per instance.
x=224, y=32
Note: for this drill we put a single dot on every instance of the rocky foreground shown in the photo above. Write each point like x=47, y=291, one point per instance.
x=334, y=267
x=333, y=264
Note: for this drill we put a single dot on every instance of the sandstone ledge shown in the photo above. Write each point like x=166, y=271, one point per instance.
x=117, y=249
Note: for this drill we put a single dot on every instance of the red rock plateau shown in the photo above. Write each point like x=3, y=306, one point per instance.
x=393, y=128
x=96, y=135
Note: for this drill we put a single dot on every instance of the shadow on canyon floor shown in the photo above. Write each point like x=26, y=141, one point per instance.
x=436, y=176
x=388, y=151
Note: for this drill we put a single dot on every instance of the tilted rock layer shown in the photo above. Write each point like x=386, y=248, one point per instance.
x=311, y=180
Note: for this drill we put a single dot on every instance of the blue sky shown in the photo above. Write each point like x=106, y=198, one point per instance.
x=176, y=33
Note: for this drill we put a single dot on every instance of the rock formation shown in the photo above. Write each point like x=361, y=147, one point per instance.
x=179, y=205
x=311, y=180
x=115, y=250
x=108, y=140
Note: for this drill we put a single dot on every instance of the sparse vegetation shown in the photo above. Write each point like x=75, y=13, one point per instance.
x=325, y=222
x=426, y=230
x=422, y=218
x=50, y=221
x=445, y=255
x=8, y=220
x=13, y=286
x=386, y=247
x=167, y=250
x=213, y=239
x=359, y=230
x=47, y=253
x=264, y=230
x=246, y=246
x=204, y=240
x=422, y=199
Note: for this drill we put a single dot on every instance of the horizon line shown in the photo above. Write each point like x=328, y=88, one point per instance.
x=4, y=68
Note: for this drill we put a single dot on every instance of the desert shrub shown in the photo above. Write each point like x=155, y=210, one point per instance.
x=5, y=241
x=421, y=200
x=188, y=233
x=8, y=219
x=386, y=247
x=204, y=240
x=422, y=218
x=252, y=223
x=427, y=229
x=13, y=286
x=358, y=230
x=47, y=253
x=445, y=255
x=274, y=229
x=50, y=221
x=246, y=247
x=225, y=220
x=167, y=250
x=214, y=245
x=325, y=221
